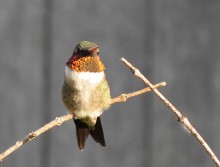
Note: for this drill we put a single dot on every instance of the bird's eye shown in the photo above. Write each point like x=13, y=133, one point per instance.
x=76, y=50
x=97, y=53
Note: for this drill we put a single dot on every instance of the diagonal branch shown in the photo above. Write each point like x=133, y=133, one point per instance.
x=124, y=97
x=180, y=116
x=57, y=122
x=60, y=120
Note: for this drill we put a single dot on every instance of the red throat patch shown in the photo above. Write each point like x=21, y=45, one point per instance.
x=86, y=64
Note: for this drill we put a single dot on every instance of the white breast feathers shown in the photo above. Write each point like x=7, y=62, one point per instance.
x=93, y=78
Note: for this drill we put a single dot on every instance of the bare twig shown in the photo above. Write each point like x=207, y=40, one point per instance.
x=59, y=120
x=124, y=97
x=180, y=116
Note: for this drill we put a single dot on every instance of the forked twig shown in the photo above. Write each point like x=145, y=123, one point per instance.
x=180, y=116
x=124, y=97
x=60, y=120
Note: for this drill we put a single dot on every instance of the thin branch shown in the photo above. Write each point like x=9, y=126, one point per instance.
x=60, y=120
x=124, y=97
x=180, y=116
x=57, y=122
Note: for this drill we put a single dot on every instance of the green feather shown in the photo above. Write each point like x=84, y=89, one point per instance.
x=86, y=45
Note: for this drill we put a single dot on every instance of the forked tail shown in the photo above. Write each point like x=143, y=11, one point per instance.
x=82, y=132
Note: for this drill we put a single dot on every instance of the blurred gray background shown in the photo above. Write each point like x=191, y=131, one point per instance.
x=176, y=41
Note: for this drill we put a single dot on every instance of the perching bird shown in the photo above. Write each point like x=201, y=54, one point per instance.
x=85, y=92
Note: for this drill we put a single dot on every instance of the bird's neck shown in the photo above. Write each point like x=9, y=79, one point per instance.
x=77, y=79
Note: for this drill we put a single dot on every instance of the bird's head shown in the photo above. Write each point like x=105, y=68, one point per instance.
x=85, y=58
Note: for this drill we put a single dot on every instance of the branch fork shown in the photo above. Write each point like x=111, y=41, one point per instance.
x=122, y=98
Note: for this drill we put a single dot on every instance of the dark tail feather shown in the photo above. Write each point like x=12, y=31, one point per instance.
x=97, y=134
x=82, y=132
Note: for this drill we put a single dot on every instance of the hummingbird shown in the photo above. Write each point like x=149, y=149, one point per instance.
x=85, y=92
